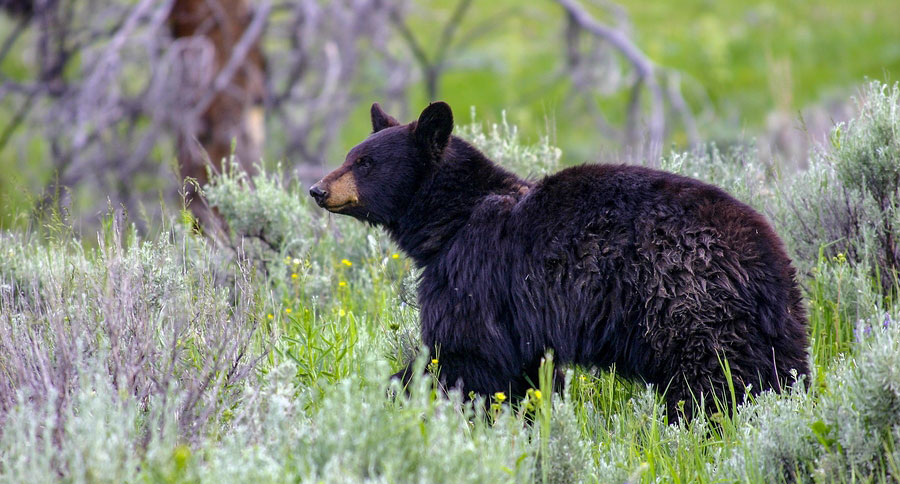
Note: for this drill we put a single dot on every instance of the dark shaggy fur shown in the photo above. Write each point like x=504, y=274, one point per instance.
x=662, y=275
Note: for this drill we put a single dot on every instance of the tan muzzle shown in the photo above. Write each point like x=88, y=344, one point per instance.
x=336, y=191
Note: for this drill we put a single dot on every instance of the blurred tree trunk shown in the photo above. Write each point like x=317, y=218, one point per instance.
x=228, y=84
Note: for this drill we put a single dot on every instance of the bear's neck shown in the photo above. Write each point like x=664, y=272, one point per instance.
x=446, y=201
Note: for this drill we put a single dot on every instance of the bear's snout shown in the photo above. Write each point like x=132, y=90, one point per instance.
x=318, y=194
x=337, y=191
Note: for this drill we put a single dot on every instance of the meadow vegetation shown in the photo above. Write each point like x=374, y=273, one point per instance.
x=264, y=358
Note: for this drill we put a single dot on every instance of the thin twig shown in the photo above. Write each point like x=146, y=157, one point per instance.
x=417, y=50
x=432, y=68
x=643, y=66
x=12, y=37
x=17, y=120
x=449, y=29
x=673, y=90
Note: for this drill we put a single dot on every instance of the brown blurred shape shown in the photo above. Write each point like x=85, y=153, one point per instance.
x=232, y=91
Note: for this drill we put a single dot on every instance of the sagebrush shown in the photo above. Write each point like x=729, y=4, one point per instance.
x=162, y=358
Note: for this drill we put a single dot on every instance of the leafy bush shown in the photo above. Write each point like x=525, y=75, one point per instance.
x=501, y=144
x=845, y=430
x=130, y=329
x=135, y=361
x=355, y=434
x=847, y=202
x=739, y=171
x=93, y=434
x=775, y=441
x=861, y=406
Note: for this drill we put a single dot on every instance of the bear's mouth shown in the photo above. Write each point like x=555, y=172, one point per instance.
x=338, y=208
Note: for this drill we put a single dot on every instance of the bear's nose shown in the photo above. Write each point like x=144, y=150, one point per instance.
x=316, y=192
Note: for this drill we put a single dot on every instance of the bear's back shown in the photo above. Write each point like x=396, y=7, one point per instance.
x=627, y=197
x=630, y=258
x=625, y=188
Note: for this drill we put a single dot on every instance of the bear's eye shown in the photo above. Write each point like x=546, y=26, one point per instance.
x=364, y=162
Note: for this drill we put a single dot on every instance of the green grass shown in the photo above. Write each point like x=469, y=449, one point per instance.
x=739, y=62
x=128, y=359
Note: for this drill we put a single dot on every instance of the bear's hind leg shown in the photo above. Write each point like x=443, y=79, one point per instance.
x=701, y=381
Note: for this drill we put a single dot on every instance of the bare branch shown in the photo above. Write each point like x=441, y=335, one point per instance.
x=673, y=90
x=17, y=120
x=644, y=69
x=410, y=38
x=634, y=55
x=12, y=37
x=130, y=89
x=432, y=69
x=449, y=29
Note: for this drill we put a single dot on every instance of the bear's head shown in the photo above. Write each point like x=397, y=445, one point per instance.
x=381, y=175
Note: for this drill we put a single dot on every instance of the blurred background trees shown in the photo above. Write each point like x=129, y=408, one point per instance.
x=224, y=38
x=120, y=100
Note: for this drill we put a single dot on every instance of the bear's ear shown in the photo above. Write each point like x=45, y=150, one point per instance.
x=381, y=119
x=434, y=127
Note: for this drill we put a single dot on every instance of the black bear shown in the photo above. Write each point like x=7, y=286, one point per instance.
x=664, y=276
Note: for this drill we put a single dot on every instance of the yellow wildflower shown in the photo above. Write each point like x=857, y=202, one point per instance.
x=434, y=361
x=270, y=316
x=395, y=256
x=181, y=456
x=537, y=394
x=342, y=313
x=346, y=262
x=294, y=276
x=287, y=310
x=499, y=396
x=342, y=284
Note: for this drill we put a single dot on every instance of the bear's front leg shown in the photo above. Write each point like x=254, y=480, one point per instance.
x=404, y=375
x=471, y=373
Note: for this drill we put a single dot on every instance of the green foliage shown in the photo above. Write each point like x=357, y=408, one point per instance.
x=775, y=439
x=567, y=454
x=841, y=293
x=738, y=171
x=501, y=143
x=866, y=151
x=105, y=352
x=260, y=209
x=94, y=439
x=137, y=361
x=355, y=434
x=848, y=199
x=844, y=431
x=317, y=265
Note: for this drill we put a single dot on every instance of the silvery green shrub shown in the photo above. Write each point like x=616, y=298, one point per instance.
x=355, y=434
x=118, y=332
x=775, y=442
x=861, y=407
x=738, y=171
x=568, y=457
x=847, y=201
x=501, y=143
x=135, y=360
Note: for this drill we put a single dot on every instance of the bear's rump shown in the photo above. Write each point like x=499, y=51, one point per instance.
x=648, y=294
